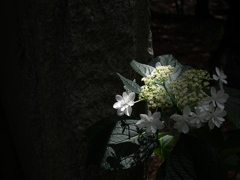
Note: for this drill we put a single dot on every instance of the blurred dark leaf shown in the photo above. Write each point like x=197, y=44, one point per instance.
x=116, y=143
x=193, y=159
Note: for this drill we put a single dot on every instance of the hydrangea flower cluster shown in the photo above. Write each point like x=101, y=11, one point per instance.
x=188, y=89
x=188, y=94
x=153, y=91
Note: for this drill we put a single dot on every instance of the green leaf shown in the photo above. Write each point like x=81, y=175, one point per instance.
x=232, y=106
x=142, y=69
x=192, y=159
x=214, y=137
x=231, y=145
x=168, y=59
x=131, y=85
x=126, y=147
x=116, y=143
x=98, y=135
x=231, y=163
x=176, y=73
x=165, y=60
x=166, y=142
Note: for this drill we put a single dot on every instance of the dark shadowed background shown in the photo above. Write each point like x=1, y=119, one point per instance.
x=59, y=76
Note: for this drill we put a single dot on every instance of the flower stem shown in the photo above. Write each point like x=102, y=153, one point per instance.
x=174, y=104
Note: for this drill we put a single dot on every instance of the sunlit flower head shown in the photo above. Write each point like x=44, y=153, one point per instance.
x=188, y=88
x=124, y=103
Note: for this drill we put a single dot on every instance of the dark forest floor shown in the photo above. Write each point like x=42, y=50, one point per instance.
x=190, y=40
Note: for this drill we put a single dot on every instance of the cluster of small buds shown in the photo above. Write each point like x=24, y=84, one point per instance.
x=153, y=91
x=155, y=95
x=161, y=73
x=188, y=89
x=158, y=75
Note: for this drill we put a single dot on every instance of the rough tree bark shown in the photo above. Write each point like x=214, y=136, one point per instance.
x=60, y=78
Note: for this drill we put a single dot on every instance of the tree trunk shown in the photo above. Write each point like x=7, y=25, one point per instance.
x=60, y=77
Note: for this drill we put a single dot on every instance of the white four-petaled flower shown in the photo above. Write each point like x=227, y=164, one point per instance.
x=217, y=98
x=199, y=117
x=124, y=103
x=151, y=122
x=216, y=118
x=220, y=76
x=182, y=121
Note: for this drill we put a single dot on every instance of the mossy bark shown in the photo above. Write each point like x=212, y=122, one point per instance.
x=64, y=79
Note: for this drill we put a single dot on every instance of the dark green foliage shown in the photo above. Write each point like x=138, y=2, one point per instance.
x=192, y=159
x=131, y=85
x=166, y=142
x=233, y=106
x=116, y=143
x=142, y=69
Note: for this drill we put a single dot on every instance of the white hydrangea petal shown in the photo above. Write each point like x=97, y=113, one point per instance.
x=223, y=76
x=141, y=123
x=186, y=110
x=220, y=93
x=213, y=91
x=158, y=124
x=156, y=115
x=148, y=129
x=125, y=96
x=217, y=123
x=220, y=105
x=193, y=120
x=215, y=77
x=221, y=113
x=144, y=117
x=175, y=125
x=198, y=125
x=176, y=117
x=185, y=128
x=211, y=124
x=128, y=110
x=206, y=100
x=180, y=122
x=221, y=96
x=220, y=119
x=120, y=113
x=149, y=113
x=151, y=129
x=131, y=103
x=118, y=98
x=222, y=99
x=117, y=105
x=224, y=81
x=199, y=111
x=123, y=107
x=131, y=96
x=217, y=71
